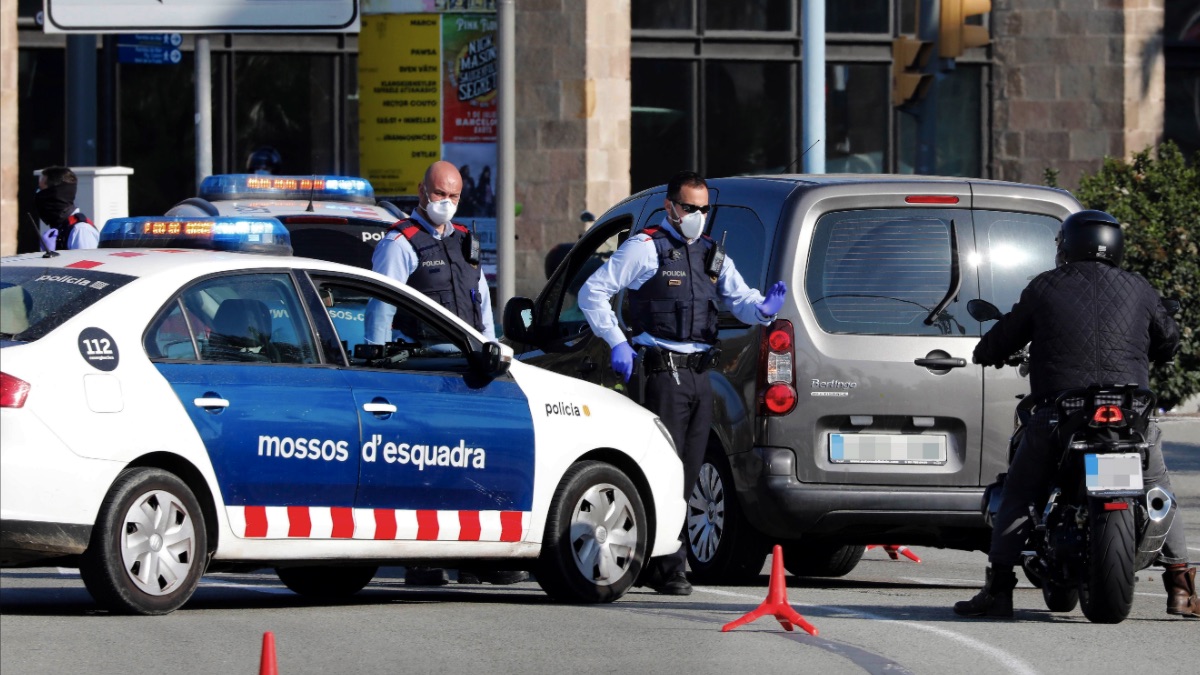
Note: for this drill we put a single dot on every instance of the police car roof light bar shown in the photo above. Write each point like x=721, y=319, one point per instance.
x=245, y=235
x=226, y=187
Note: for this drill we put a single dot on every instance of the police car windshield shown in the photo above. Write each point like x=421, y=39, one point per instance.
x=36, y=300
x=350, y=241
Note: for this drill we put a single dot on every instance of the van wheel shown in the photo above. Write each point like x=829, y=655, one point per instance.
x=821, y=558
x=595, y=540
x=148, y=546
x=722, y=546
x=326, y=582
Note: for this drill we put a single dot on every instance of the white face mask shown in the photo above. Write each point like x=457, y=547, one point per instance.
x=441, y=212
x=692, y=225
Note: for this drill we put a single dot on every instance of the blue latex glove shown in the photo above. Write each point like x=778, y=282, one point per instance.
x=622, y=360
x=49, y=239
x=773, y=301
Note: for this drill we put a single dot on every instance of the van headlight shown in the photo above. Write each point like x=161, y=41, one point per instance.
x=666, y=434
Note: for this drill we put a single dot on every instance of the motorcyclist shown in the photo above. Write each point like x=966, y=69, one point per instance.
x=1086, y=322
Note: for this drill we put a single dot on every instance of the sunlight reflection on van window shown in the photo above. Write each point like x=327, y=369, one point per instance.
x=1008, y=256
x=974, y=259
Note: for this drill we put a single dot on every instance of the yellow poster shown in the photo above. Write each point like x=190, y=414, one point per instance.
x=399, y=104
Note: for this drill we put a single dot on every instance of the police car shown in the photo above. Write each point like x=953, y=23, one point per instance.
x=166, y=411
x=329, y=217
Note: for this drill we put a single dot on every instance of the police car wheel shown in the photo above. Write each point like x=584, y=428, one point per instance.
x=326, y=582
x=722, y=546
x=149, y=545
x=595, y=540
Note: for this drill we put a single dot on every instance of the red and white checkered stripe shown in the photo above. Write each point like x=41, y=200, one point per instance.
x=338, y=522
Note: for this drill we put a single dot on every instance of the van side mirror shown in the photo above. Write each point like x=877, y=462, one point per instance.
x=982, y=310
x=492, y=359
x=518, y=319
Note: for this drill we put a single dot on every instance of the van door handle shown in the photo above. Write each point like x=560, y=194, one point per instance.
x=941, y=363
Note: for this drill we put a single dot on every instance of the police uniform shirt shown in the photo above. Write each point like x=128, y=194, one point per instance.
x=83, y=235
x=395, y=257
x=635, y=263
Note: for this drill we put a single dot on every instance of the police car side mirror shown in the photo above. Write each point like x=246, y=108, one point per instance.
x=492, y=359
x=982, y=310
x=518, y=319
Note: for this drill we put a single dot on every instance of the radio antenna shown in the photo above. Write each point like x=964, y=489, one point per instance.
x=789, y=166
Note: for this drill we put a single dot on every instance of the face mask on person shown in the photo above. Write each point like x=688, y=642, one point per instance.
x=691, y=224
x=55, y=203
x=441, y=212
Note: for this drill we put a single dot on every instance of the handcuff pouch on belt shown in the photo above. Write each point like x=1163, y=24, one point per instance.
x=656, y=360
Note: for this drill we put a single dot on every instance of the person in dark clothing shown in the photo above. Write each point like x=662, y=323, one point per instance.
x=668, y=266
x=66, y=226
x=1086, y=322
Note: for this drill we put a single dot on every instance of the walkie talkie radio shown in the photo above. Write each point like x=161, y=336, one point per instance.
x=471, y=246
x=716, y=259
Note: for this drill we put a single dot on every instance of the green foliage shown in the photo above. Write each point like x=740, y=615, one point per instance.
x=1156, y=196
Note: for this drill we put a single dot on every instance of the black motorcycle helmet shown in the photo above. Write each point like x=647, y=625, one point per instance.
x=1091, y=235
x=264, y=159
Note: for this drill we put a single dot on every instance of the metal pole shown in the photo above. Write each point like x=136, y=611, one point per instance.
x=203, y=109
x=926, y=110
x=81, y=100
x=108, y=102
x=813, y=77
x=506, y=164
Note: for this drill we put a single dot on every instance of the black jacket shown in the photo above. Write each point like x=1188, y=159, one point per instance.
x=1088, y=323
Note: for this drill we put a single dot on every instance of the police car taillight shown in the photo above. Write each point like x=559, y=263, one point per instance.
x=226, y=187
x=776, y=371
x=246, y=235
x=13, y=391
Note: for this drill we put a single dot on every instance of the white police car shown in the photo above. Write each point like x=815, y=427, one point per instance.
x=329, y=217
x=166, y=411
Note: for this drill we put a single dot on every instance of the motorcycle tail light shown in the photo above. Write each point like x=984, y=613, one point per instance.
x=1108, y=414
x=1116, y=506
x=13, y=391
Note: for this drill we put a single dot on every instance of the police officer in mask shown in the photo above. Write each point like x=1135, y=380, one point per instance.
x=432, y=254
x=675, y=276
x=66, y=226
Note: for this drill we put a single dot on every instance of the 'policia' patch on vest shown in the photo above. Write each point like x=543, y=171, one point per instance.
x=680, y=302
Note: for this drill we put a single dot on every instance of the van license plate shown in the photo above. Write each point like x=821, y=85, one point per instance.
x=887, y=449
x=1111, y=473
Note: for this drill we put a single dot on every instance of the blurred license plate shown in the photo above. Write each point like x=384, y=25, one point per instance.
x=887, y=449
x=1113, y=473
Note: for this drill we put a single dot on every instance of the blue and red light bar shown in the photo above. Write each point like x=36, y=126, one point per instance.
x=246, y=235
x=231, y=186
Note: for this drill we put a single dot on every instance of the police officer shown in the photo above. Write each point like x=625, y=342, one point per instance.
x=675, y=276
x=66, y=226
x=430, y=253
x=1087, y=322
x=265, y=160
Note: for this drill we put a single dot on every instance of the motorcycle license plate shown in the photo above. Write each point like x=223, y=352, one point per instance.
x=1111, y=473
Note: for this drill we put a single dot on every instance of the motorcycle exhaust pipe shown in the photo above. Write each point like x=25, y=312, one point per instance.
x=1160, y=512
x=1158, y=504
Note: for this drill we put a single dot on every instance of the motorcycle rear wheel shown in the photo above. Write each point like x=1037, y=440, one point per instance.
x=1107, y=589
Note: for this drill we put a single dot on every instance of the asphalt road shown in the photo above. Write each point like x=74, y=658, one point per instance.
x=886, y=616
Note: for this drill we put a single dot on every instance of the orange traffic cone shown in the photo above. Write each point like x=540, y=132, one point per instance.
x=267, y=665
x=893, y=549
x=776, y=603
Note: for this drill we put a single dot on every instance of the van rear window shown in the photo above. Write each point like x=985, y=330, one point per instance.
x=36, y=300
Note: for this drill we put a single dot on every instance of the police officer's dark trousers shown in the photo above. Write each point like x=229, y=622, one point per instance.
x=686, y=409
x=1028, y=482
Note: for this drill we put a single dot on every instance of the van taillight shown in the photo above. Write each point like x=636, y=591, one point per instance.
x=776, y=370
x=13, y=391
x=931, y=199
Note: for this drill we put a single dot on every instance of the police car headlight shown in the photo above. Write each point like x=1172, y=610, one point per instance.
x=666, y=434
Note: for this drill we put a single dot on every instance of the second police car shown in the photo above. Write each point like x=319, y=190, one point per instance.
x=167, y=411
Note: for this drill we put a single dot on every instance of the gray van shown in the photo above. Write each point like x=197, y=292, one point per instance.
x=857, y=417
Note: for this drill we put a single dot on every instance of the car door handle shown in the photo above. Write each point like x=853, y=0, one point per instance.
x=941, y=362
x=586, y=366
x=210, y=402
x=379, y=408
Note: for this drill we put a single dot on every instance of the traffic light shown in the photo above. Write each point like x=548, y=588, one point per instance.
x=955, y=35
x=909, y=58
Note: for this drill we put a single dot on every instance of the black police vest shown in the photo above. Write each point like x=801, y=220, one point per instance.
x=64, y=233
x=680, y=301
x=443, y=273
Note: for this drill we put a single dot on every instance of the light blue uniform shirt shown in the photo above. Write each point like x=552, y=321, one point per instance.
x=395, y=257
x=83, y=235
x=635, y=263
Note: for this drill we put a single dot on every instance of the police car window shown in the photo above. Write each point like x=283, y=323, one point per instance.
x=36, y=300
x=249, y=318
x=1020, y=246
x=745, y=243
x=170, y=336
x=412, y=342
x=882, y=273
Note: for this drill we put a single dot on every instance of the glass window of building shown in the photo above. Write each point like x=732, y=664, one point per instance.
x=1181, y=47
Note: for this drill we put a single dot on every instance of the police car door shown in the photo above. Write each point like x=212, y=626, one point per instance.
x=279, y=427
x=446, y=453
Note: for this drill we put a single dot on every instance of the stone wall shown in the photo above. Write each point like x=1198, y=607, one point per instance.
x=1075, y=81
x=573, y=122
x=9, y=218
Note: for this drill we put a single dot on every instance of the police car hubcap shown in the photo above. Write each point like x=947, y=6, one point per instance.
x=603, y=534
x=157, y=542
x=706, y=514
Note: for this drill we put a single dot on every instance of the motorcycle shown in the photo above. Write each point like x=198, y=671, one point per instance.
x=1100, y=525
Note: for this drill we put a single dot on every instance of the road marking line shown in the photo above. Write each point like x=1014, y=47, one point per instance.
x=1012, y=662
x=249, y=587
